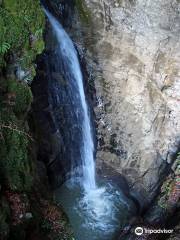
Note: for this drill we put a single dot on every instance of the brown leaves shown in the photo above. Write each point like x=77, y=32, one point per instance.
x=53, y=215
x=174, y=194
x=18, y=206
x=10, y=99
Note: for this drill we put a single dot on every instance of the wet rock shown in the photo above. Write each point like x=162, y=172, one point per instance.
x=28, y=215
x=50, y=147
x=162, y=211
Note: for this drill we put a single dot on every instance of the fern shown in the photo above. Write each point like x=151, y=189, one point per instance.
x=39, y=32
x=4, y=47
x=27, y=19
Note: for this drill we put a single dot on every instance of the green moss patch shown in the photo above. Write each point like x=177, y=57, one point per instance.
x=24, y=212
x=14, y=140
x=21, y=29
x=83, y=11
x=22, y=95
x=15, y=162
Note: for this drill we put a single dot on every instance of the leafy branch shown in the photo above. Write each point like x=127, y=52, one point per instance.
x=4, y=47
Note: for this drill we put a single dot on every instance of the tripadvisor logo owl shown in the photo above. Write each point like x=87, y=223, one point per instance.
x=138, y=231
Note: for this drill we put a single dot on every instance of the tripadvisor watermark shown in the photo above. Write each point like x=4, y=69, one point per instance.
x=139, y=231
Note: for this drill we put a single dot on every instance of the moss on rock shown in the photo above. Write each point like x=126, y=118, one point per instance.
x=169, y=194
x=15, y=162
x=21, y=31
x=14, y=140
x=83, y=11
x=16, y=165
x=22, y=95
x=22, y=198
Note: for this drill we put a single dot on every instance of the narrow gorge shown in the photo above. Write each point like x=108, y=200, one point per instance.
x=89, y=120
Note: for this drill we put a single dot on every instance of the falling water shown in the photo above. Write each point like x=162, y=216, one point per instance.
x=69, y=54
x=94, y=211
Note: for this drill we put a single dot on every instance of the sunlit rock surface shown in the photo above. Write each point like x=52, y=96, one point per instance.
x=132, y=50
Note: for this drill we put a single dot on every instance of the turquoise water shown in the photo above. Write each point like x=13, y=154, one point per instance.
x=98, y=214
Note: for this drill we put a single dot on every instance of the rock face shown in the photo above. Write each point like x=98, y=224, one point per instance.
x=132, y=48
x=132, y=53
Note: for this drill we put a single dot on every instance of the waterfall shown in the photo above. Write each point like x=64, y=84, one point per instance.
x=71, y=64
x=95, y=208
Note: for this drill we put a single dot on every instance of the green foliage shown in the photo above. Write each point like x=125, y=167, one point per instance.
x=167, y=187
x=83, y=11
x=178, y=160
x=15, y=162
x=19, y=21
x=14, y=141
x=4, y=47
x=21, y=30
x=23, y=95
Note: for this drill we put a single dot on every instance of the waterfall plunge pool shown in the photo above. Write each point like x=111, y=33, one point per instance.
x=98, y=214
x=97, y=210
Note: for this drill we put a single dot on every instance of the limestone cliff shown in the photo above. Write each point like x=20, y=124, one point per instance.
x=132, y=52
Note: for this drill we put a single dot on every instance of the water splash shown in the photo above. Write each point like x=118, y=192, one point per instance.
x=93, y=209
x=98, y=214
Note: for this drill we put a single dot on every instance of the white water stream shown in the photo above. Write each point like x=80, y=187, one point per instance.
x=97, y=206
x=69, y=53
